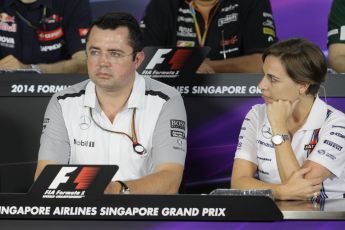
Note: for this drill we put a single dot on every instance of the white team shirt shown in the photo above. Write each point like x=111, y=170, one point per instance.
x=321, y=139
x=71, y=136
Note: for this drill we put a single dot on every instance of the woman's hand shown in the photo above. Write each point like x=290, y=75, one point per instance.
x=298, y=188
x=279, y=112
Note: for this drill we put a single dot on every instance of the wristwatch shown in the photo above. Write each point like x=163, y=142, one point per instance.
x=124, y=187
x=279, y=139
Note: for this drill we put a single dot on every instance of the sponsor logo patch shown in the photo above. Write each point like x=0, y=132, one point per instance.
x=84, y=143
x=185, y=32
x=342, y=33
x=50, y=35
x=321, y=152
x=178, y=134
x=178, y=124
x=332, y=144
x=51, y=47
x=7, y=23
x=53, y=19
x=181, y=43
x=265, y=144
x=230, y=41
x=83, y=32
x=266, y=132
x=227, y=19
x=185, y=19
x=268, y=23
x=338, y=134
x=7, y=41
x=332, y=32
x=229, y=8
x=268, y=31
x=85, y=122
x=309, y=146
x=45, y=123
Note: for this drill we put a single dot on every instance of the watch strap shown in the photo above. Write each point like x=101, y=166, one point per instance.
x=124, y=188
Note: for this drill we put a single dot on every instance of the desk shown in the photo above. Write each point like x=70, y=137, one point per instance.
x=286, y=224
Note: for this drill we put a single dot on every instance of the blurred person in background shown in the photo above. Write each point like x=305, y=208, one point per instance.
x=336, y=36
x=236, y=30
x=45, y=35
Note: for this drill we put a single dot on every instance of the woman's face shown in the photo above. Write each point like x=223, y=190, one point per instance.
x=276, y=84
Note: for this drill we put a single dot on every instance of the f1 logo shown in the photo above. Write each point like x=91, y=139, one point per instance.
x=61, y=177
x=83, y=179
x=158, y=58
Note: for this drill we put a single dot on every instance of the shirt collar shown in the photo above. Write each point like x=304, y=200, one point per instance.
x=135, y=100
x=317, y=115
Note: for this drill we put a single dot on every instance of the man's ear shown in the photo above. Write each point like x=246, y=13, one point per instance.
x=139, y=58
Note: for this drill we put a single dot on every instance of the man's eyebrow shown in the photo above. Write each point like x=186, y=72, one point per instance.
x=94, y=47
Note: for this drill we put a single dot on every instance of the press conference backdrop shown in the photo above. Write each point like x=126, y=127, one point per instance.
x=216, y=106
x=294, y=18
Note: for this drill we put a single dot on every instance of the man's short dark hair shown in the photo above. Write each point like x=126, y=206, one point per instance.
x=304, y=62
x=114, y=20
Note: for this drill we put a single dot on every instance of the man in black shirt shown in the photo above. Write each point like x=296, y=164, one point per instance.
x=46, y=35
x=236, y=30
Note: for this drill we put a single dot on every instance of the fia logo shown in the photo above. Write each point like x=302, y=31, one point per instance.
x=83, y=180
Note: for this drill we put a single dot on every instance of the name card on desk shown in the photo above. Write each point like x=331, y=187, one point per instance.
x=76, y=192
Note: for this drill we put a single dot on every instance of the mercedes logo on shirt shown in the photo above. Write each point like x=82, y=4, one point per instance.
x=266, y=132
x=85, y=122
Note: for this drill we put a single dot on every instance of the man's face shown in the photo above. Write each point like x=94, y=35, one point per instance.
x=276, y=83
x=110, y=59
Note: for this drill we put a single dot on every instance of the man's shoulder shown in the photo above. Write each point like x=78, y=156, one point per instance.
x=155, y=87
x=73, y=91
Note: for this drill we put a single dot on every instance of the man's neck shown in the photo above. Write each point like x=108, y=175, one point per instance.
x=113, y=102
x=205, y=7
x=205, y=3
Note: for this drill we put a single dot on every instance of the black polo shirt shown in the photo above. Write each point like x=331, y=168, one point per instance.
x=46, y=31
x=238, y=27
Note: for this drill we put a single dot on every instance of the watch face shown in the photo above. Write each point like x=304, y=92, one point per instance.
x=277, y=139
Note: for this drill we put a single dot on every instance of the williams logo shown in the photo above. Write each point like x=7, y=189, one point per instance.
x=90, y=144
x=67, y=185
